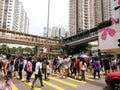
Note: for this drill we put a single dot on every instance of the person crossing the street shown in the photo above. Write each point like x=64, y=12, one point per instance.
x=38, y=73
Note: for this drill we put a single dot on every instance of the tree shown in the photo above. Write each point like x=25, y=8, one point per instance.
x=56, y=37
x=19, y=51
x=29, y=50
x=104, y=24
x=79, y=48
x=13, y=50
x=4, y=49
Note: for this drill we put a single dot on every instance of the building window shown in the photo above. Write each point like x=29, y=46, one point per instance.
x=9, y=15
x=10, y=3
x=10, y=9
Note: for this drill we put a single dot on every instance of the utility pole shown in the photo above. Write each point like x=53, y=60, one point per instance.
x=48, y=22
x=48, y=17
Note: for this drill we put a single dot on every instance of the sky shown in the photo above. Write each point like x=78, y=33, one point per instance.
x=37, y=12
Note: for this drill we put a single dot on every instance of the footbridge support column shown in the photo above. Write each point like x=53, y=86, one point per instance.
x=38, y=51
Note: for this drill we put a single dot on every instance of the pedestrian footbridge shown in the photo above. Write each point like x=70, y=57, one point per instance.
x=14, y=37
x=83, y=37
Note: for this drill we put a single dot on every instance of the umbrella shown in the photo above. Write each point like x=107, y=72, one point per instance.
x=84, y=56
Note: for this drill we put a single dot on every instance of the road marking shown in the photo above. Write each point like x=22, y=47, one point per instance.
x=50, y=84
x=14, y=87
x=83, y=82
x=29, y=84
x=87, y=78
x=53, y=85
x=96, y=76
x=80, y=77
x=32, y=76
x=61, y=81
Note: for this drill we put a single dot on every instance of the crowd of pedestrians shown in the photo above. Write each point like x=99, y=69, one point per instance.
x=65, y=66
x=70, y=66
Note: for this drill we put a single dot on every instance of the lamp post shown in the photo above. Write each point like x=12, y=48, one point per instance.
x=48, y=22
x=48, y=17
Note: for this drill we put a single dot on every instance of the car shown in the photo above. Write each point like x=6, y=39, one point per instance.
x=113, y=80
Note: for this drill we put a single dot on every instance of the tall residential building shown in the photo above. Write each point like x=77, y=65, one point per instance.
x=102, y=10
x=1, y=10
x=45, y=32
x=14, y=16
x=73, y=17
x=106, y=9
x=86, y=14
x=58, y=31
x=26, y=28
x=98, y=11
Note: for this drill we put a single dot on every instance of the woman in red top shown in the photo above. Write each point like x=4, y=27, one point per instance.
x=77, y=67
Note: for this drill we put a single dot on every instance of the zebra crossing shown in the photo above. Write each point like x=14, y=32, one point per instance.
x=53, y=83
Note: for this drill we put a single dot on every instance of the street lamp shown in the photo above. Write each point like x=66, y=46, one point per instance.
x=48, y=17
x=48, y=22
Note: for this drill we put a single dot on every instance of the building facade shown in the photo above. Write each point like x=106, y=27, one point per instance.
x=54, y=32
x=58, y=32
x=1, y=11
x=14, y=17
x=87, y=14
x=108, y=36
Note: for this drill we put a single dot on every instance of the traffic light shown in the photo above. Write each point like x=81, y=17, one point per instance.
x=118, y=42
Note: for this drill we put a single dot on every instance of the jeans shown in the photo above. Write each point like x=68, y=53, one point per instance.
x=37, y=76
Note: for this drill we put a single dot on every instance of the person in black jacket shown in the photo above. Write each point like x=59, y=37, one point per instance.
x=44, y=61
x=34, y=61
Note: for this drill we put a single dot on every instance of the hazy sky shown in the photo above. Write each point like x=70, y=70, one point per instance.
x=37, y=11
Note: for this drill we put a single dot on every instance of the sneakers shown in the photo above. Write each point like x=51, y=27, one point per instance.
x=42, y=85
x=27, y=81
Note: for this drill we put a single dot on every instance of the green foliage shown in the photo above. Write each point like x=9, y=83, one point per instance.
x=13, y=50
x=4, y=49
x=79, y=48
x=104, y=24
x=56, y=37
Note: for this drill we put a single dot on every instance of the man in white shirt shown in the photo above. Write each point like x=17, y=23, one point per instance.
x=38, y=72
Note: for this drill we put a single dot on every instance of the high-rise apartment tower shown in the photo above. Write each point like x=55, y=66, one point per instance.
x=87, y=14
x=13, y=16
